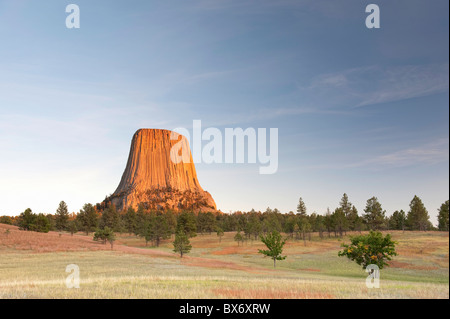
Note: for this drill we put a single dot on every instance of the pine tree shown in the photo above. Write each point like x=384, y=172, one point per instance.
x=418, y=218
x=105, y=234
x=62, y=216
x=158, y=229
x=339, y=221
x=352, y=217
x=181, y=244
x=254, y=225
x=301, y=207
x=41, y=224
x=219, y=233
x=398, y=220
x=238, y=237
x=328, y=222
x=320, y=225
x=26, y=220
x=87, y=219
x=187, y=224
x=345, y=205
x=111, y=218
x=374, y=214
x=443, y=217
x=72, y=228
x=130, y=220
x=140, y=221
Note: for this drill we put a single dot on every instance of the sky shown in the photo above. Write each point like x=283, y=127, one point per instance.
x=359, y=111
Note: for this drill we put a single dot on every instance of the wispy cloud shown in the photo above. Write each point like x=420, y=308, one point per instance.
x=431, y=153
x=401, y=83
x=371, y=85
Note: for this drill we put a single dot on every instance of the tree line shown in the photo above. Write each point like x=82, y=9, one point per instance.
x=156, y=225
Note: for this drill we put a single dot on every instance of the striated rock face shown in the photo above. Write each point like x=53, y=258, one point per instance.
x=152, y=178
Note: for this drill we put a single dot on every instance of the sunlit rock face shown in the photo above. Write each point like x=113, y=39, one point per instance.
x=152, y=178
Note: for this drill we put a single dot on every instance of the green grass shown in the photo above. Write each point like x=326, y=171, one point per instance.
x=214, y=270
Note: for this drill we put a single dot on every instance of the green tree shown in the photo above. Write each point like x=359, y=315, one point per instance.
x=87, y=219
x=239, y=238
x=289, y=225
x=6, y=220
x=418, y=218
x=370, y=249
x=443, y=217
x=26, y=219
x=374, y=214
x=206, y=222
x=274, y=244
x=301, y=207
x=201, y=222
x=353, y=219
x=345, y=205
x=319, y=225
x=158, y=229
x=141, y=219
x=111, y=218
x=41, y=224
x=99, y=236
x=328, y=222
x=130, y=220
x=62, y=216
x=171, y=219
x=254, y=223
x=52, y=220
x=105, y=235
x=304, y=227
x=398, y=220
x=72, y=228
x=359, y=224
x=271, y=220
x=219, y=233
x=339, y=222
x=210, y=225
x=181, y=243
x=186, y=223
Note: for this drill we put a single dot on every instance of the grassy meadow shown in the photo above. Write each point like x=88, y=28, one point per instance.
x=32, y=265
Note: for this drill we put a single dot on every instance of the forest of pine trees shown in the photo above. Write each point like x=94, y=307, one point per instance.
x=155, y=226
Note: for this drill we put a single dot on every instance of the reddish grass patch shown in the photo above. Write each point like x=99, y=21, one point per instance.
x=226, y=251
x=232, y=250
x=399, y=264
x=212, y=263
x=43, y=243
x=53, y=242
x=268, y=294
x=311, y=269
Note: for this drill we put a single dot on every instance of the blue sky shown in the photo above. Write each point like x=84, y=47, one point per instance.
x=361, y=111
